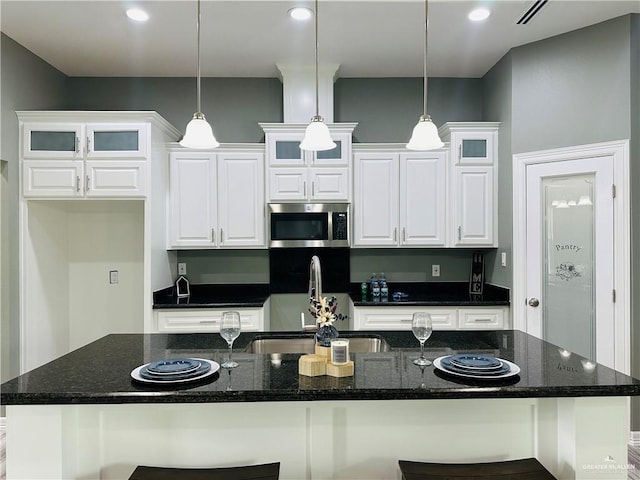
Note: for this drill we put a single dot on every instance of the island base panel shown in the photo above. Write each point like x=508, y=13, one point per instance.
x=575, y=438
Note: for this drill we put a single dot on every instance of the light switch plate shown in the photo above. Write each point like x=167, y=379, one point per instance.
x=435, y=270
x=182, y=269
x=113, y=276
x=504, y=259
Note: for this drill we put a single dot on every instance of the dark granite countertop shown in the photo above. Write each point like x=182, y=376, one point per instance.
x=99, y=373
x=214, y=296
x=434, y=294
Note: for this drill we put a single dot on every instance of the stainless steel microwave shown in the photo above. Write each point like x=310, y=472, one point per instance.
x=308, y=225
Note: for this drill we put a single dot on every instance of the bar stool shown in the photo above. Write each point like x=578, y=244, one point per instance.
x=524, y=469
x=267, y=471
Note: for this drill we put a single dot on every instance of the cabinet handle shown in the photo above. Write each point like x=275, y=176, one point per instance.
x=78, y=184
x=404, y=234
x=313, y=189
x=459, y=233
x=221, y=236
x=395, y=234
x=304, y=189
x=77, y=144
x=213, y=236
x=207, y=322
x=482, y=320
x=87, y=184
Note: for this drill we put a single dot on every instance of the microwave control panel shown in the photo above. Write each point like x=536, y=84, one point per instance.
x=339, y=220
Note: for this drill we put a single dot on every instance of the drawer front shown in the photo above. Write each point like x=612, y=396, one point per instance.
x=481, y=319
x=205, y=321
x=390, y=318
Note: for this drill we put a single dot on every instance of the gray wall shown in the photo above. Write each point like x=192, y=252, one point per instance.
x=635, y=208
x=26, y=83
x=498, y=106
x=387, y=109
x=572, y=89
x=233, y=106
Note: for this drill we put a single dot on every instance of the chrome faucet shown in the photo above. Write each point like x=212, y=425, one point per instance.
x=315, y=278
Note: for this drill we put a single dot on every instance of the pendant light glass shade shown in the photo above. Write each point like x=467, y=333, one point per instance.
x=425, y=133
x=199, y=133
x=317, y=136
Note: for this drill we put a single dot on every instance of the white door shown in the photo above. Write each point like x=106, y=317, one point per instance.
x=241, y=199
x=192, y=199
x=422, y=198
x=473, y=206
x=329, y=184
x=375, y=199
x=573, y=230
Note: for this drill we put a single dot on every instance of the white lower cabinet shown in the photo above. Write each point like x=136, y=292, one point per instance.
x=207, y=320
x=444, y=318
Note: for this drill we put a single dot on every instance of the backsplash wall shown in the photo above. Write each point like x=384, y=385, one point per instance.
x=400, y=265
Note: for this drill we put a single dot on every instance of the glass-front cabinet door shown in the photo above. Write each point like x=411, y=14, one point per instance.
x=112, y=140
x=473, y=148
x=48, y=140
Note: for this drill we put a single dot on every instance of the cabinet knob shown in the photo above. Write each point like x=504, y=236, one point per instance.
x=534, y=302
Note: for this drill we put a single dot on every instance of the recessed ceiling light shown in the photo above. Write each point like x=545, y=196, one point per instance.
x=137, y=14
x=300, y=13
x=479, y=14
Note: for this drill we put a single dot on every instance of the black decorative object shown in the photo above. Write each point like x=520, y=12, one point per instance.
x=476, y=281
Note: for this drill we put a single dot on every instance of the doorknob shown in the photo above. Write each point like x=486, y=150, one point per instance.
x=534, y=302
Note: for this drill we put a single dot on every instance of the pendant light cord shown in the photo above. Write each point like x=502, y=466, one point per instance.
x=316, y=33
x=426, y=41
x=198, y=71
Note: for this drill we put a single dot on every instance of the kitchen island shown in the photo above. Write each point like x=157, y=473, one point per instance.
x=88, y=419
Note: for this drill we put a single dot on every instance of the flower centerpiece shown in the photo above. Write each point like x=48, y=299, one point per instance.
x=324, y=311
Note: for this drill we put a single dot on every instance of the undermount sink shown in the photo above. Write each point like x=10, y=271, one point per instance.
x=306, y=344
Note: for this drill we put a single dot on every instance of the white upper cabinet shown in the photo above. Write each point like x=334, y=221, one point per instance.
x=241, y=208
x=473, y=197
x=85, y=159
x=107, y=140
x=193, y=209
x=399, y=198
x=295, y=175
x=60, y=140
x=84, y=140
x=375, y=199
x=423, y=198
x=217, y=199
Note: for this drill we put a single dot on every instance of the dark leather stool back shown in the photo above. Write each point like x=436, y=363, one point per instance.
x=525, y=469
x=267, y=471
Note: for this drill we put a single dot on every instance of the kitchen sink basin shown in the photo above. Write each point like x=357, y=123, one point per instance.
x=306, y=344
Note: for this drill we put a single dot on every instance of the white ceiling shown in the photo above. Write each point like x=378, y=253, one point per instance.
x=242, y=38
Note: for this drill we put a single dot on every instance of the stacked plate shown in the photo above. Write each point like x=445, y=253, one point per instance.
x=175, y=370
x=471, y=365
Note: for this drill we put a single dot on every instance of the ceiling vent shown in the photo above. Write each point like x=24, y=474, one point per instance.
x=531, y=12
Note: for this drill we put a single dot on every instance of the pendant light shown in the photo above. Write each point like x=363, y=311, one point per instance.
x=198, y=133
x=425, y=134
x=317, y=136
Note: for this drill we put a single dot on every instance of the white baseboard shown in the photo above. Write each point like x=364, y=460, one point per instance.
x=634, y=439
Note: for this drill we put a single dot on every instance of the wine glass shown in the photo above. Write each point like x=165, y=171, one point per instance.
x=230, y=330
x=421, y=327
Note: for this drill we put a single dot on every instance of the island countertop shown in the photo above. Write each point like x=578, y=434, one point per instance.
x=99, y=373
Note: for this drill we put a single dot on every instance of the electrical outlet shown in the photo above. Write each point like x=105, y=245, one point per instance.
x=504, y=259
x=113, y=276
x=182, y=269
x=435, y=270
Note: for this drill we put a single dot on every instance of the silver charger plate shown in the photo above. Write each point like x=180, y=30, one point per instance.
x=215, y=366
x=513, y=370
